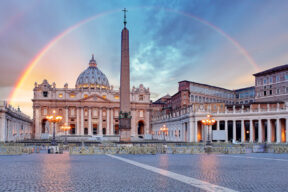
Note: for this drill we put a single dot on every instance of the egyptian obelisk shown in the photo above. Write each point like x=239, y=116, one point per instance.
x=125, y=115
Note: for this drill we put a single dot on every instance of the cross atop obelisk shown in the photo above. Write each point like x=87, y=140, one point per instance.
x=125, y=111
x=125, y=22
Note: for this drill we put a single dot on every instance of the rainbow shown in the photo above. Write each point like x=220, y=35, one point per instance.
x=45, y=49
x=56, y=39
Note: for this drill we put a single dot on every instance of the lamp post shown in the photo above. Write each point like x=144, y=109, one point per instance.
x=209, y=121
x=54, y=119
x=66, y=128
x=164, y=130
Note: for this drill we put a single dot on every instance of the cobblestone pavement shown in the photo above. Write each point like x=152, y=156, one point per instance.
x=46, y=172
x=245, y=172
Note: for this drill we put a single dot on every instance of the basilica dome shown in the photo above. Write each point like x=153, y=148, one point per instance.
x=92, y=77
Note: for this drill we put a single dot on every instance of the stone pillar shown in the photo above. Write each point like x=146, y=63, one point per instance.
x=100, y=122
x=242, y=131
x=146, y=122
x=133, y=123
x=218, y=125
x=260, y=129
x=251, y=133
x=269, y=130
x=286, y=128
x=278, y=130
x=108, y=121
x=78, y=132
x=89, y=122
x=66, y=115
x=234, y=130
x=37, y=124
x=195, y=130
x=112, y=123
x=82, y=121
x=3, y=130
x=226, y=130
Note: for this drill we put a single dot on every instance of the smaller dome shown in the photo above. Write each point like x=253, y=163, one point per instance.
x=92, y=77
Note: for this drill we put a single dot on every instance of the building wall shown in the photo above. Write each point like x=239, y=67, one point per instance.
x=272, y=86
x=259, y=123
x=245, y=95
x=14, y=125
x=92, y=112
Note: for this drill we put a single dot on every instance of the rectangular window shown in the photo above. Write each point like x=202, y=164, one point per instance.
x=271, y=79
x=286, y=89
x=264, y=93
x=265, y=81
x=45, y=111
x=72, y=112
x=277, y=91
x=95, y=113
x=45, y=94
x=141, y=114
x=277, y=78
x=270, y=92
x=286, y=76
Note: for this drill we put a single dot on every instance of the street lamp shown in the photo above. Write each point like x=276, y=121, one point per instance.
x=54, y=119
x=209, y=121
x=164, y=130
x=66, y=128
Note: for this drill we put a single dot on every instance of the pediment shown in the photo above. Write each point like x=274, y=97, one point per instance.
x=95, y=98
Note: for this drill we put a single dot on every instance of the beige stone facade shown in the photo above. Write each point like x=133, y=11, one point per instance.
x=14, y=125
x=91, y=109
x=272, y=84
x=257, y=123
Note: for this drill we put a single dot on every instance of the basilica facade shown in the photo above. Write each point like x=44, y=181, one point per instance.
x=91, y=109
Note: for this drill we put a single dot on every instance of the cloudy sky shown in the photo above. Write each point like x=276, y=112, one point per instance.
x=216, y=42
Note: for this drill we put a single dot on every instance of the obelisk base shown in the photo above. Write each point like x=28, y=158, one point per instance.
x=125, y=129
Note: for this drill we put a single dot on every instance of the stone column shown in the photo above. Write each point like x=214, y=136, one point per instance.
x=242, y=131
x=100, y=122
x=195, y=130
x=234, y=130
x=278, y=131
x=82, y=121
x=89, y=122
x=108, y=121
x=133, y=123
x=66, y=115
x=112, y=122
x=286, y=128
x=78, y=121
x=3, y=129
x=226, y=130
x=218, y=125
x=146, y=122
x=260, y=136
x=269, y=130
x=37, y=124
x=251, y=133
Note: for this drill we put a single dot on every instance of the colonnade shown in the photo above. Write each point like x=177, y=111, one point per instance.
x=92, y=121
x=270, y=130
x=104, y=119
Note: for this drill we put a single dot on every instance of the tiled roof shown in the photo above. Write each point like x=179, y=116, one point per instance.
x=272, y=70
x=206, y=85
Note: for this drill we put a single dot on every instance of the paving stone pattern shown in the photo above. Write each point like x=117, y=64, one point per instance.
x=64, y=172
x=232, y=171
x=47, y=172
